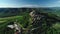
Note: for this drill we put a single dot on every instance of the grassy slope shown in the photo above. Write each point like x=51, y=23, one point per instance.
x=9, y=18
x=4, y=20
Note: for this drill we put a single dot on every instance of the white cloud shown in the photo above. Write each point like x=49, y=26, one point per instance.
x=30, y=5
x=17, y=6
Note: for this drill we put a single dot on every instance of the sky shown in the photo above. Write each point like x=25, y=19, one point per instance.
x=29, y=3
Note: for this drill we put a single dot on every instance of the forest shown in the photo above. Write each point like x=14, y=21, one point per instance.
x=30, y=20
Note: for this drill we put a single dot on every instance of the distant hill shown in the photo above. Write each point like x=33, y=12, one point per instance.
x=6, y=12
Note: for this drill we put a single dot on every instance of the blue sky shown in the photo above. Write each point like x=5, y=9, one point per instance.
x=29, y=3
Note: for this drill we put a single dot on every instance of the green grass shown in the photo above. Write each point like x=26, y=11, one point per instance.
x=10, y=18
x=57, y=26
